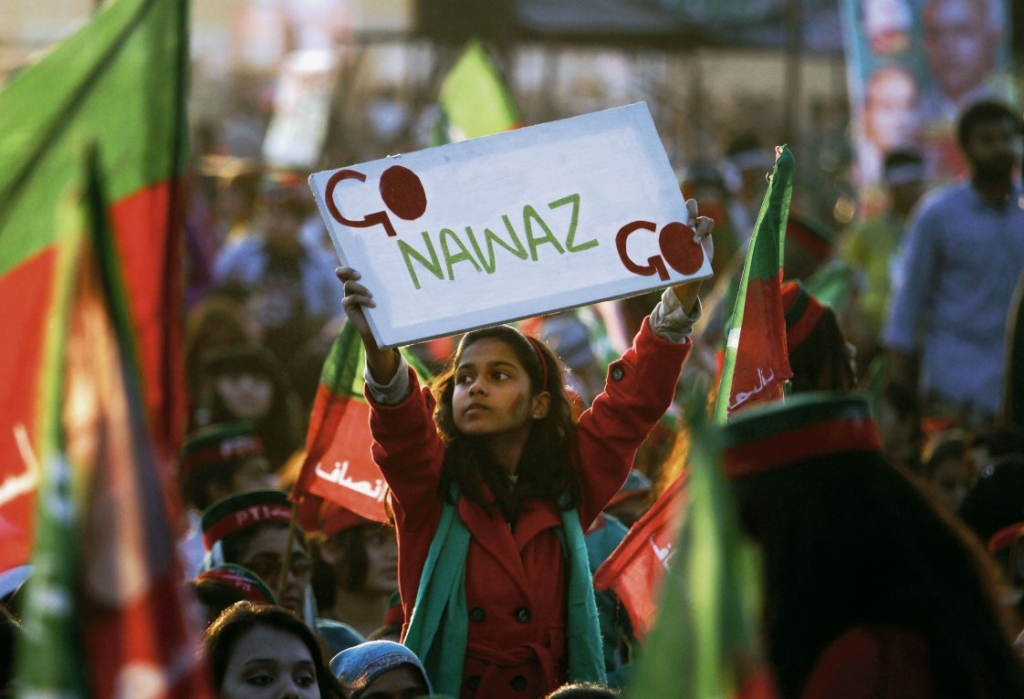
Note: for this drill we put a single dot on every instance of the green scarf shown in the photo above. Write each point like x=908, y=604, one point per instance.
x=438, y=629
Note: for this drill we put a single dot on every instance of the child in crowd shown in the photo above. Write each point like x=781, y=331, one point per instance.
x=380, y=669
x=948, y=468
x=494, y=483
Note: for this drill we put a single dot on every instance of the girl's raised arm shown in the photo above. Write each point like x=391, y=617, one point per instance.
x=382, y=363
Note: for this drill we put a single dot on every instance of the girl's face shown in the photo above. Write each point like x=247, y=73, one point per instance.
x=492, y=393
x=247, y=395
x=381, y=559
x=269, y=663
x=265, y=556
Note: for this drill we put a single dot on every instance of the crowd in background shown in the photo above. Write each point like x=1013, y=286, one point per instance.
x=264, y=306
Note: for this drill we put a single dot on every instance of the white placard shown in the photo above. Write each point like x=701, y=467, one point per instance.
x=519, y=224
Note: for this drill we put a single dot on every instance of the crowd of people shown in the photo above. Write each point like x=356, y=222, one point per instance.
x=886, y=493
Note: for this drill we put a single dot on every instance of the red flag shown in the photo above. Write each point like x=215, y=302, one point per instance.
x=756, y=362
x=106, y=586
x=119, y=82
x=635, y=569
x=339, y=481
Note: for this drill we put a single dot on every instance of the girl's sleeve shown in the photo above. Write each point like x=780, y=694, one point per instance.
x=408, y=451
x=639, y=389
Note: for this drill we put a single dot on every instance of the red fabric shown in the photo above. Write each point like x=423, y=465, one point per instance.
x=148, y=227
x=635, y=569
x=508, y=570
x=762, y=358
x=877, y=662
x=20, y=368
x=339, y=467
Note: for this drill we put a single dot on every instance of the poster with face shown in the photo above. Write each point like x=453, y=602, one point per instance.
x=912, y=67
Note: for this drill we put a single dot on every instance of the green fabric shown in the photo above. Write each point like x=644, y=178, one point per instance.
x=438, y=629
x=51, y=654
x=107, y=84
x=705, y=639
x=474, y=98
x=616, y=630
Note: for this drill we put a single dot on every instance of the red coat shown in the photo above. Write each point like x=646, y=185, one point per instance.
x=516, y=577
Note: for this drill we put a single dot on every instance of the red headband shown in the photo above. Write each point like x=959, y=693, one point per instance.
x=246, y=517
x=251, y=591
x=543, y=364
x=233, y=449
x=785, y=448
x=810, y=426
x=1005, y=537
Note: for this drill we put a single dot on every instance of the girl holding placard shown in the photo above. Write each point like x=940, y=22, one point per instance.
x=494, y=480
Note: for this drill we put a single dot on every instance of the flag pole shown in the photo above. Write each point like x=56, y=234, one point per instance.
x=286, y=562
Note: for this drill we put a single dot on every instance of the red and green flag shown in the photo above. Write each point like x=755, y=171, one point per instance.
x=705, y=642
x=474, y=99
x=105, y=613
x=756, y=363
x=339, y=482
x=119, y=83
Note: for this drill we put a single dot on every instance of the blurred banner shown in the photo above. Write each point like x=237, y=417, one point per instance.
x=912, y=66
x=302, y=108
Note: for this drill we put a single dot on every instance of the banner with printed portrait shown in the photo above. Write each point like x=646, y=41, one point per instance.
x=912, y=67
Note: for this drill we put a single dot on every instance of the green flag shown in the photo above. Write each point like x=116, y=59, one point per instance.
x=117, y=84
x=474, y=99
x=104, y=614
x=756, y=364
x=705, y=639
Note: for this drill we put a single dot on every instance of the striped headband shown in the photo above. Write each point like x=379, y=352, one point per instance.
x=813, y=425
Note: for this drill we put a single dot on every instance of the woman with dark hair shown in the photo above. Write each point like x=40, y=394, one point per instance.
x=258, y=651
x=361, y=574
x=250, y=384
x=494, y=481
x=870, y=589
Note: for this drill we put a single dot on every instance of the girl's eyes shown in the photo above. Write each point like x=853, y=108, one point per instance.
x=497, y=375
x=305, y=679
x=260, y=680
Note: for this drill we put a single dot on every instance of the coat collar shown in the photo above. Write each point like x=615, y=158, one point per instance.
x=494, y=535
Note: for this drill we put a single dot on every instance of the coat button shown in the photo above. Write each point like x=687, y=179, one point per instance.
x=473, y=682
x=518, y=683
x=477, y=614
x=617, y=373
x=522, y=615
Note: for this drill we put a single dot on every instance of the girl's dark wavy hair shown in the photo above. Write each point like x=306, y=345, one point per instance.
x=545, y=469
x=223, y=634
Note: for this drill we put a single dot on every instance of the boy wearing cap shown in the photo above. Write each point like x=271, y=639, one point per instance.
x=253, y=529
